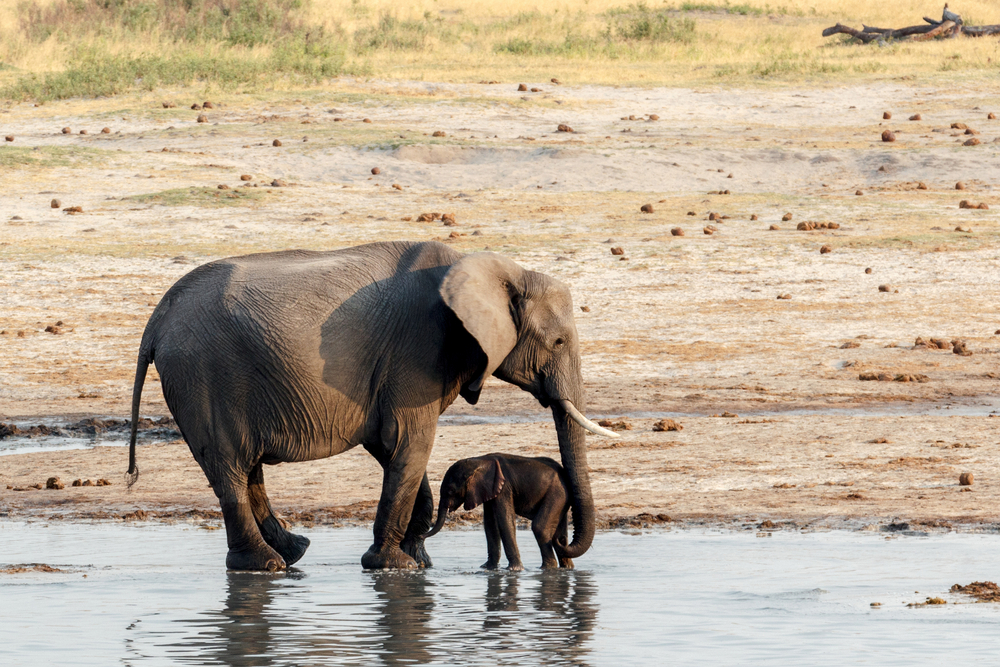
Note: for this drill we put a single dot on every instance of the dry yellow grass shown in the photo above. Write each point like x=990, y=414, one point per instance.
x=472, y=40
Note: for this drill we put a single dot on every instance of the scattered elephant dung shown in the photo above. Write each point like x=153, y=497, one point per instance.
x=888, y=135
x=958, y=347
x=786, y=217
x=753, y=216
x=73, y=210
x=825, y=249
x=83, y=131
x=966, y=479
x=921, y=186
x=448, y=219
x=196, y=107
x=66, y=130
x=9, y=137
x=959, y=126
x=366, y=120
x=858, y=192
x=808, y=225
x=202, y=118
x=887, y=288
x=397, y=186
x=991, y=116
x=278, y=183
x=169, y=105
x=969, y=131
x=376, y=171
x=439, y=133
x=667, y=425
x=708, y=230
x=677, y=231
x=972, y=142
x=556, y=81
x=54, y=483
x=536, y=90
x=868, y=270
x=774, y=228
x=784, y=297
x=276, y=142
x=206, y=105
x=916, y=116
x=246, y=177
x=619, y=425
x=522, y=88
x=646, y=208
x=564, y=128
x=222, y=186
x=105, y=130
x=617, y=251
x=55, y=203
x=960, y=185
x=886, y=115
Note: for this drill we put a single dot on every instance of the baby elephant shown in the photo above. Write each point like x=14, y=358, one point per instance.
x=507, y=485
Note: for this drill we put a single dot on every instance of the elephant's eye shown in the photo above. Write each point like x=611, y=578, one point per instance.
x=559, y=342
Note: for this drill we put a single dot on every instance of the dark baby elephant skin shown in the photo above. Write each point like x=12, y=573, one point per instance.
x=508, y=486
x=295, y=356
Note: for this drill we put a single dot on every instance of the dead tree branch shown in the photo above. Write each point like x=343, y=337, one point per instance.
x=949, y=26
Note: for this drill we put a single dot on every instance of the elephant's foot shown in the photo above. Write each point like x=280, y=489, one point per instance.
x=516, y=566
x=566, y=563
x=490, y=565
x=290, y=546
x=261, y=558
x=415, y=549
x=389, y=558
x=552, y=564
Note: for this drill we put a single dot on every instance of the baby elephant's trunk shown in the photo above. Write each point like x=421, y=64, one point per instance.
x=442, y=515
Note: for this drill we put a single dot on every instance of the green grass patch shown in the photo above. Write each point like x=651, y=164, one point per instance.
x=203, y=196
x=50, y=156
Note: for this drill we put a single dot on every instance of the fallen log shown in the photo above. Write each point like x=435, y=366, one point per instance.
x=950, y=25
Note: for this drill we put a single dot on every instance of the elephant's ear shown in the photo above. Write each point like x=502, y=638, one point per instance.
x=478, y=290
x=485, y=484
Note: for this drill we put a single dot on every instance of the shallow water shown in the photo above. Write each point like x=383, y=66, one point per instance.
x=158, y=595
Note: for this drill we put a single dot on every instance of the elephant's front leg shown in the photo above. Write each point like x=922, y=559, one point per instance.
x=402, y=476
x=421, y=521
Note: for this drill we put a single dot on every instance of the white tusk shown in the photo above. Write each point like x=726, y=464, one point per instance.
x=583, y=421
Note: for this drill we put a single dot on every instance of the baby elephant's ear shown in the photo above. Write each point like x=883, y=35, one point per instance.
x=485, y=484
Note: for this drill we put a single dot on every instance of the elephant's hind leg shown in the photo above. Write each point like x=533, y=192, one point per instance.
x=291, y=547
x=247, y=548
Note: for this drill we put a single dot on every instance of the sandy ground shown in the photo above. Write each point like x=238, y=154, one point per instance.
x=686, y=326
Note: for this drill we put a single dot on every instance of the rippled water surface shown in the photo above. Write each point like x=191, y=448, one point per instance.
x=159, y=595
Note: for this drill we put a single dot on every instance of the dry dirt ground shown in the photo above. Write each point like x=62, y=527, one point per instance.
x=682, y=326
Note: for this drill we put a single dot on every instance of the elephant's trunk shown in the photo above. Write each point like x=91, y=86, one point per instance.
x=442, y=515
x=573, y=448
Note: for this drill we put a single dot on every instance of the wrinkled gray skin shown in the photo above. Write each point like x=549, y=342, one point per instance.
x=298, y=355
x=509, y=486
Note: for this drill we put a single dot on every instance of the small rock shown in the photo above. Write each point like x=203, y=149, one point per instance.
x=276, y=142
x=521, y=88
x=774, y=228
x=54, y=483
x=825, y=249
x=886, y=115
x=886, y=288
x=786, y=217
x=55, y=203
x=959, y=126
x=677, y=231
x=784, y=297
x=202, y=118
x=646, y=208
x=916, y=116
x=960, y=185
x=921, y=186
x=66, y=130
x=868, y=270
x=376, y=171
x=888, y=135
x=617, y=251
x=971, y=142
x=246, y=177
x=564, y=128
x=667, y=425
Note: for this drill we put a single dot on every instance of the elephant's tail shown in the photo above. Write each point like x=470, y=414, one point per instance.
x=142, y=364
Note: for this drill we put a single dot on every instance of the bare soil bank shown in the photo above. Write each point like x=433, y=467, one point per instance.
x=687, y=325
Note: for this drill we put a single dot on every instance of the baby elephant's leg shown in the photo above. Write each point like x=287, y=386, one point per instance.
x=506, y=521
x=492, y=536
x=546, y=524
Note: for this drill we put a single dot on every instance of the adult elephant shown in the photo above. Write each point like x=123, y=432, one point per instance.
x=298, y=355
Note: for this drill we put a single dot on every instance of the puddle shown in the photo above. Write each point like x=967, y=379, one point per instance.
x=158, y=595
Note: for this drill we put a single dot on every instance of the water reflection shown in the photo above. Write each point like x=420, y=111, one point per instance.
x=388, y=618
